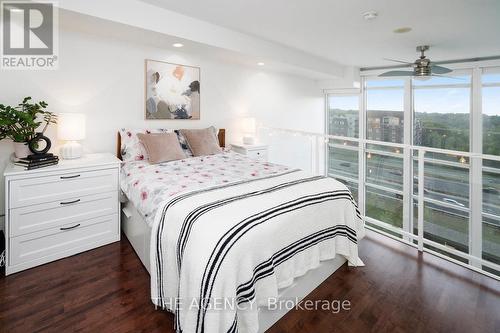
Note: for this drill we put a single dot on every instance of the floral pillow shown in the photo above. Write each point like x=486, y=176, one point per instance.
x=131, y=148
x=184, y=145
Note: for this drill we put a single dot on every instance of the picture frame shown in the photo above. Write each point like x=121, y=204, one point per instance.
x=172, y=91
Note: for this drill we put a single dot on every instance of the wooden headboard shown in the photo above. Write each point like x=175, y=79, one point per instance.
x=221, y=136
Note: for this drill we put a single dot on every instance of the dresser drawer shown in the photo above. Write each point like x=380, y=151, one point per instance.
x=34, y=218
x=43, y=189
x=51, y=244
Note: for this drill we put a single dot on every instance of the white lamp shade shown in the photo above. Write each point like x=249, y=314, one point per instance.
x=249, y=129
x=249, y=125
x=71, y=126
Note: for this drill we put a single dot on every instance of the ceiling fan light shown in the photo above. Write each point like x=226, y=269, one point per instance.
x=422, y=71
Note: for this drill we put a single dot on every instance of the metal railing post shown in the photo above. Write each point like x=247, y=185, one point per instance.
x=421, y=184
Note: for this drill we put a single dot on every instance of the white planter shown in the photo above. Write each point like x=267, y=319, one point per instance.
x=21, y=149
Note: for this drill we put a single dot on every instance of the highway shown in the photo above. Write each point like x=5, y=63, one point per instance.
x=442, y=183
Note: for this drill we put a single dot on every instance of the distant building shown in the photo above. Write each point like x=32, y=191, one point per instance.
x=344, y=124
x=385, y=126
x=381, y=125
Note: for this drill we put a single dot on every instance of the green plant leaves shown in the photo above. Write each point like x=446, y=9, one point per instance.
x=21, y=122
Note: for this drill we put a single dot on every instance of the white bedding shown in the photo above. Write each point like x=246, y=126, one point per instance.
x=237, y=238
x=148, y=185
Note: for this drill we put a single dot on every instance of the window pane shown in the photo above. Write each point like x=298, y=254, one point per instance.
x=445, y=185
x=491, y=206
x=491, y=114
x=491, y=240
x=342, y=162
x=441, y=114
x=448, y=184
x=447, y=226
x=385, y=170
x=491, y=77
x=491, y=191
x=384, y=206
x=385, y=116
x=343, y=115
x=381, y=83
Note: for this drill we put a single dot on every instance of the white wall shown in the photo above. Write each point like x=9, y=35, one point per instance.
x=104, y=78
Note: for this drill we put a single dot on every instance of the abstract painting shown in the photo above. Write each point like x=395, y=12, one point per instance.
x=172, y=91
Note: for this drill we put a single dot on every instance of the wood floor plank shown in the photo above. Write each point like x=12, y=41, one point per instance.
x=399, y=290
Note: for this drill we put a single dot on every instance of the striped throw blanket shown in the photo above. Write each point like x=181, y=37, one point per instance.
x=219, y=253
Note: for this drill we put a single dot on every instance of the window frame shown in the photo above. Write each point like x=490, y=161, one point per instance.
x=475, y=156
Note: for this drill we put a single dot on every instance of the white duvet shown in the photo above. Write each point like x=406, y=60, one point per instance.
x=149, y=185
x=220, y=250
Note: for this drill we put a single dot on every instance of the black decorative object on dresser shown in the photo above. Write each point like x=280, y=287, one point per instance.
x=36, y=161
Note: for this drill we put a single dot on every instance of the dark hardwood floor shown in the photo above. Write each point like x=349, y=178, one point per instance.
x=399, y=290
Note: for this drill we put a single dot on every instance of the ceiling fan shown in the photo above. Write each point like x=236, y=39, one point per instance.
x=422, y=67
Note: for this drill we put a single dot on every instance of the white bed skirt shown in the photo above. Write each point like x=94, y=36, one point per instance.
x=139, y=235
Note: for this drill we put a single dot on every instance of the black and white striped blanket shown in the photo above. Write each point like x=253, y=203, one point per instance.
x=218, y=253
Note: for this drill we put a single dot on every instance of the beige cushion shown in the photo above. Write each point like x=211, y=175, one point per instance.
x=162, y=147
x=202, y=141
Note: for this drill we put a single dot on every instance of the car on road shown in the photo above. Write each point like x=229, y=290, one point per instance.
x=491, y=190
x=453, y=202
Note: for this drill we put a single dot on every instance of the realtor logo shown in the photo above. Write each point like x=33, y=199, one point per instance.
x=29, y=35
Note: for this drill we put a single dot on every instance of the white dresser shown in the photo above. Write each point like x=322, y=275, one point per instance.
x=58, y=211
x=254, y=151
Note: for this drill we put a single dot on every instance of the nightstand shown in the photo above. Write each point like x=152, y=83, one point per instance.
x=253, y=151
x=61, y=210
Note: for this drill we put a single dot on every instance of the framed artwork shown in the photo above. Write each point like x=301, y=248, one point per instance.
x=172, y=91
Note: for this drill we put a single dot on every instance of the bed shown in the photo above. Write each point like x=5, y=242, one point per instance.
x=226, y=238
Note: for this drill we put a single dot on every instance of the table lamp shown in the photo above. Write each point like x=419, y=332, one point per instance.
x=71, y=128
x=249, y=131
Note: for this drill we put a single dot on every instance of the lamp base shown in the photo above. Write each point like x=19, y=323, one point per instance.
x=248, y=140
x=71, y=150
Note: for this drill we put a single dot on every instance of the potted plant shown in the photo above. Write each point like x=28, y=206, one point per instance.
x=20, y=123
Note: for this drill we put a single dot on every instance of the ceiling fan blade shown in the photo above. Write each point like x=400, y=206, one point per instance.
x=449, y=77
x=400, y=61
x=397, y=73
x=440, y=69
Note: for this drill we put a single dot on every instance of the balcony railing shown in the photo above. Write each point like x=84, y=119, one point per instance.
x=440, y=191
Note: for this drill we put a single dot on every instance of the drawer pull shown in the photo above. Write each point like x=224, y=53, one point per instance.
x=69, y=228
x=69, y=177
x=70, y=202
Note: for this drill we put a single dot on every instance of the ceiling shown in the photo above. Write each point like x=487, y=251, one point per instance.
x=336, y=30
x=73, y=21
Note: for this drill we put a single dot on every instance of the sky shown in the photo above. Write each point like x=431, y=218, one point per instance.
x=440, y=100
